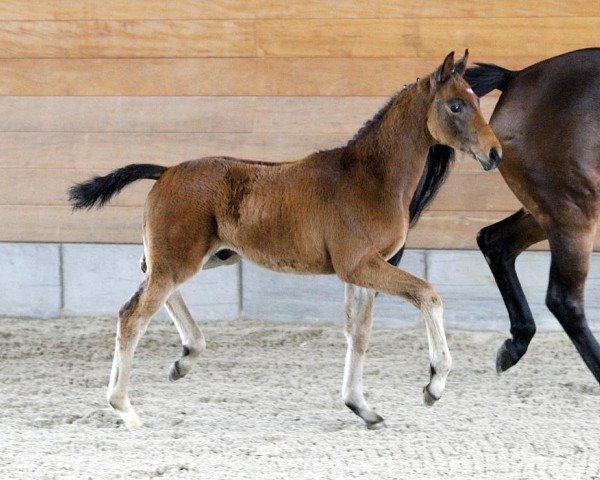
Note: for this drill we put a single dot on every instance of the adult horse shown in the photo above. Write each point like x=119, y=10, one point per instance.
x=548, y=121
x=343, y=211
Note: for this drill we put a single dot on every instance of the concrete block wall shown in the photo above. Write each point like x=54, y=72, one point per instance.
x=49, y=280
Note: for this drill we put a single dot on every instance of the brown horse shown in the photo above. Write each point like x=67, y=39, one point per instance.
x=548, y=120
x=333, y=212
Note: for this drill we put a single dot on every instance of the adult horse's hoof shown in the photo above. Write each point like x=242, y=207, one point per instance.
x=176, y=372
x=428, y=398
x=503, y=358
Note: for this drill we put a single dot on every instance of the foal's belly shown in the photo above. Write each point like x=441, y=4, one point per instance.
x=280, y=249
x=289, y=261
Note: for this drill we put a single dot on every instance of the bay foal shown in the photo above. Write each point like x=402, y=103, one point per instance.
x=343, y=211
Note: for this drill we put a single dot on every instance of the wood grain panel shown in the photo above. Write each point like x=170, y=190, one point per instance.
x=127, y=114
x=496, y=37
x=58, y=224
x=216, y=9
x=294, y=38
x=298, y=115
x=49, y=187
x=118, y=39
x=105, y=151
x=455, y=230
x=324, y=114
x=125, y=9
x=221, y=76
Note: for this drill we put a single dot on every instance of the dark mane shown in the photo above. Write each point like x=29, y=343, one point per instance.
x=373, y=122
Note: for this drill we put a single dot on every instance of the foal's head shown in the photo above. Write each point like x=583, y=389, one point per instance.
x=454, y=118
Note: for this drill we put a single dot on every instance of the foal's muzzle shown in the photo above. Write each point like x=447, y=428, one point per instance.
x=492, y=161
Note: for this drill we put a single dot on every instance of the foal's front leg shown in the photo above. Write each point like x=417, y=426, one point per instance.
x=358, y=323
x=373, y=272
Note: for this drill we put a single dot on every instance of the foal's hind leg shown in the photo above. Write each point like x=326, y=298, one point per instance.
x=500, y=244
x=192, y=339
x=134, y=317
x=359, y=319
x=373, y=272
x=571, y=254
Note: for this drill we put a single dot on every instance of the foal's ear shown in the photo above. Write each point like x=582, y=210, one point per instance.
x=444, y=71
x=461, y=65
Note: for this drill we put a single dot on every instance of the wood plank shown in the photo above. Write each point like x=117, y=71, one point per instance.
x=324, y=114
x=105, y=151
x=216, y=9
x=124, y=10
x=127, y=114
x=294, y=38
x=457, y=230
x=49, y=187
x=220, y=76
x=298, y=115
x=125, y=39
x=484, y=191
x=425, y=9
x=59, y=224
x=428, y=37
x=34, y=186
x=114, y=224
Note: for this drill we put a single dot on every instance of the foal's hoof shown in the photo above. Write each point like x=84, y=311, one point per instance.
x=176, y=371
x=428, y=398
x=375, y=423
x=131, y=419
x=503, y=358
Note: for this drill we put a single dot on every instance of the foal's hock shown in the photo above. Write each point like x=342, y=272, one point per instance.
x=343, y=211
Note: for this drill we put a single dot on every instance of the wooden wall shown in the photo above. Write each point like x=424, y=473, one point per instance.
x=87, y=86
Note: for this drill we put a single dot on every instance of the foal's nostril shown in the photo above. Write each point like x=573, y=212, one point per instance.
x=495, y=156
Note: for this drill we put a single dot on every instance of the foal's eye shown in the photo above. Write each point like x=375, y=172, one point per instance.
x=455, y=108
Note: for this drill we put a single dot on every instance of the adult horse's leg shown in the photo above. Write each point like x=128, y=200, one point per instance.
x=134, y=317
x=501, y=244
x=358, y=323
x=192, y=338
x=373, y=272
x=571, y=255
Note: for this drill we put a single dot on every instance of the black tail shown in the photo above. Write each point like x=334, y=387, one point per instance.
x=436, y=171
x=485, y=77
x=99, y=190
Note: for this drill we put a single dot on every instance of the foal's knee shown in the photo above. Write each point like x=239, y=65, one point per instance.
x=428, y=299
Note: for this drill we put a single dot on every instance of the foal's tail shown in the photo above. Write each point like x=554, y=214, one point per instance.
x=485, y=77
x=99, y=190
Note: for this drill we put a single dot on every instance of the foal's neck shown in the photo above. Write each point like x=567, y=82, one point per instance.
x=393, y=147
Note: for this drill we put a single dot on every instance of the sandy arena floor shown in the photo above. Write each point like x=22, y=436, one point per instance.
x=263, y=403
